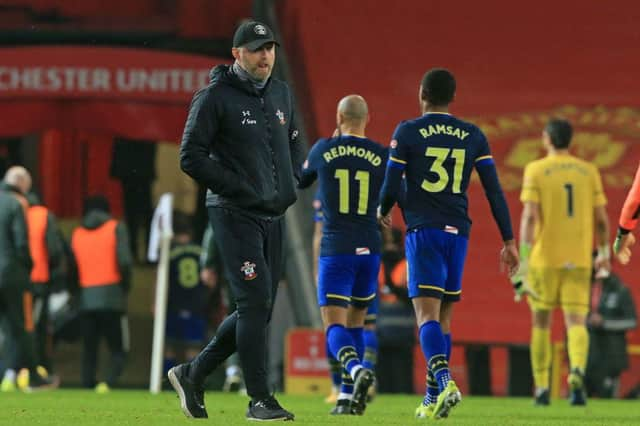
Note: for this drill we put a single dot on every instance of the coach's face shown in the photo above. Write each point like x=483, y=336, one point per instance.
x=258, y=63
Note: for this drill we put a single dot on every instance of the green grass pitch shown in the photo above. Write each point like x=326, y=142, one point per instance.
x=76, y=407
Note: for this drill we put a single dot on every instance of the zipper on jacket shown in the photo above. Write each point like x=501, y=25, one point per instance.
x=273, y=154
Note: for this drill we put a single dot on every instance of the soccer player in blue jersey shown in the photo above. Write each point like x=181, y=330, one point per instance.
x=350, y=169
x=370, y=337
x=437, y=152
x=335, y=368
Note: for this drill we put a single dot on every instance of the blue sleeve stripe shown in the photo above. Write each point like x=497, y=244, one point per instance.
x=394, y=165
x=485, y=161
x=397, y=160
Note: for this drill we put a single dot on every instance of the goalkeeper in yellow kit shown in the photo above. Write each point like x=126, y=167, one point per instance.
x=563, y=203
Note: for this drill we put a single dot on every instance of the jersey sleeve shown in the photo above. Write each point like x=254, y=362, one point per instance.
x=486, y=168
x=391, y=186
x=530, y=188
x=600, y=199
x=398, y=149
x=309, y=167
x=483, y=153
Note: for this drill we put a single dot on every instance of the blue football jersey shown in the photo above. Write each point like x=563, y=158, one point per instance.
x=438, y=152
x=350, y=171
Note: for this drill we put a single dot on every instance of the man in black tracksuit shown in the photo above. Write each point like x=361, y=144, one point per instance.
x=240, y=141
x=15, y=264
x=613, y=314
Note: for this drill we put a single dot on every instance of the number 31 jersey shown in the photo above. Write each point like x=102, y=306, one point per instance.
x=567, y=189
x=350, y=172
x=438, y=152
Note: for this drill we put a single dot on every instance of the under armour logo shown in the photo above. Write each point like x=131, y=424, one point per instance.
x=246, y=113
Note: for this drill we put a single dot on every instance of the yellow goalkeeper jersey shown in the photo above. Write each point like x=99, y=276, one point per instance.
x=567, y=190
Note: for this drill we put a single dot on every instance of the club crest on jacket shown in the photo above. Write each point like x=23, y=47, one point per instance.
x=249, y=270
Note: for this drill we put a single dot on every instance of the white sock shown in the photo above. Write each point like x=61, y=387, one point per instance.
x=354, y=371
x=343, y=395
x=10, y=374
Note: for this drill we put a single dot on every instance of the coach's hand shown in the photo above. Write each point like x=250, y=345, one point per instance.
x=384, y=220
x=622, y=247
x=509, y=259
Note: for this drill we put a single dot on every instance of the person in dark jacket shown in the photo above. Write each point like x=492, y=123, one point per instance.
x=240, y=141
x=613, y=314
x=46, y=251
x=103, y=261
x=133, y=163
x=15, y=266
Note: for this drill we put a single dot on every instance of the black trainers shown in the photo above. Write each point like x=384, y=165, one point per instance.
x=577, y=394
x=343, y=407
x=191, y=395
x=266, y=410
x=41, y=383
x=541, y=398
x=362, y=383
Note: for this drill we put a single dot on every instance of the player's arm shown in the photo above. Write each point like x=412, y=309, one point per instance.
x=390, y=192
x=20, y=236
x=627, y=222
x=602, y=263
x=531, y=215
x=486, y=169
x=200, y=131
x=603, y=258
x=309, y=173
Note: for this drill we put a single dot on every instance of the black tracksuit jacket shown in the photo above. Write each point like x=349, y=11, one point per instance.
x=243, y=144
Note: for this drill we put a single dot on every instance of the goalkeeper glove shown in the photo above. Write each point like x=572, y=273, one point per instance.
x=519, y=279
x=622, y=245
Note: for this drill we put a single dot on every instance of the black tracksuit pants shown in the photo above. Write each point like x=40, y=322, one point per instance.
x=251, y=250
x=113, y=326
x=43, y=337
x=19, y=350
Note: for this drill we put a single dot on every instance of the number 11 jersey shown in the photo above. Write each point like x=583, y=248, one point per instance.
x=438, y=152
x=350, y=171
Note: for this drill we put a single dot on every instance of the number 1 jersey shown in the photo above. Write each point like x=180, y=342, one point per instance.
x=438, y=152
x=350, y=171
x=567, y=190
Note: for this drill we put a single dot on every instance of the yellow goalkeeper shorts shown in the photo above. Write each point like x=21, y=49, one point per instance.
x=569, y=289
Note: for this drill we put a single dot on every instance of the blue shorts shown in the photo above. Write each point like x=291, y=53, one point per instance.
x=435, y=260
x=186, y=328
x=348, y=279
